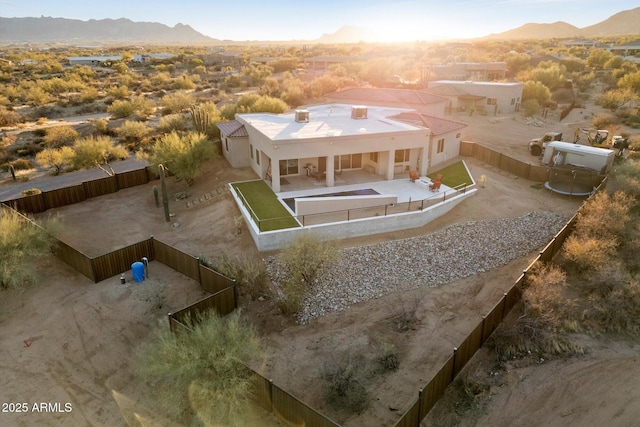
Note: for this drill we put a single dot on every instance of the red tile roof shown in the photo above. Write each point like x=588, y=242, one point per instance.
x=405, y=97
x=233, y=129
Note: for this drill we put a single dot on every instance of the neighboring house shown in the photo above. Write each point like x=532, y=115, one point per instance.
x=418, y=100
x=628, y=49
x=92, y=60
x=323, y=63
x=224, y=59
x=475, y=71
x=483, y=97
x=153, y=56
x=323, y=140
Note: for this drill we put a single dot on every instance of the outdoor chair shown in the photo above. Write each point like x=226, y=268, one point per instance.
x=435, y=185
x=413, y=176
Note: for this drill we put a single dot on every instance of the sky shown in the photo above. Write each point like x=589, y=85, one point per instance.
x=279, y=20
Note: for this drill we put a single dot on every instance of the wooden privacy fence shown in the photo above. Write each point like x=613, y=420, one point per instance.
x=501, y=161
x=77, y=193
x=435, y=388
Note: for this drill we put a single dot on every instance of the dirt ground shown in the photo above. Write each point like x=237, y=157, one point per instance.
x=68, y=340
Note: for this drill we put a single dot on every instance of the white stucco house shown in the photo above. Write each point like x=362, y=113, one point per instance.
x=324, y=140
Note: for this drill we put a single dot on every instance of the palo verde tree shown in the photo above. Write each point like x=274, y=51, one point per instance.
x=98, y=152
x=20, y=243
x=182, y=154
x=304, y=260
x=201, y=375
x=56, y=159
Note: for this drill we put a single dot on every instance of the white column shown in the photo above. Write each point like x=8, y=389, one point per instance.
x=330, y=171
x=391, y=164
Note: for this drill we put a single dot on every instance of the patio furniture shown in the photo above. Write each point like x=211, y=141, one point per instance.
x=413, y=176
x=435, y=185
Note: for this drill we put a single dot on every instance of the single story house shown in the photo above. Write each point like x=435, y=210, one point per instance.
x=476, y=71
x=483, y=97
x=323, y=140
x=92, y=60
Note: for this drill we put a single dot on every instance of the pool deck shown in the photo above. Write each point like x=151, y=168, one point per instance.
x=403, y=188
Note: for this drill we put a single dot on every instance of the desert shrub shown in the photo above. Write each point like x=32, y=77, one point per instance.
x=56, y=159
x=102, y=126
x=31, y=192
x=388, y=357
x=602, y=121
x=540, y=330
x=8, y=117
x=21, y=164
x=176, y=102
x=183, y=154
x=20, y=243
x=249, y=272
x=121, y=109
x=345, y=383
x=303, y=260
x=587, y=254
x=133, y=133
x=59, y=136
x=199, y=377
x=530, y=107
x=605, y=215
x=183, y=82
x=98, y=152
x=472, y=388
x=628, y=177
x=29, y=149
x=172, y=122
x=42, y=121
x=403, y=315
x=613, y=305
x=138, y=105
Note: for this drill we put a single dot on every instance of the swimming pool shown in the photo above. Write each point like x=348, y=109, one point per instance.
x=290, y=201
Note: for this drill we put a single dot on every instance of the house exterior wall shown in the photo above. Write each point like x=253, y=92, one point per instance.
x=236, y=151
x=310, y=149
x=267, y=241
x=451, y=148
x=507, y=96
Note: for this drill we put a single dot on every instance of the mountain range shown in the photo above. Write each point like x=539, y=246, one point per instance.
x=118, y=31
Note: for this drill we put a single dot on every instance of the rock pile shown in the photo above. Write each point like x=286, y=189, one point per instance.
x=456, y=252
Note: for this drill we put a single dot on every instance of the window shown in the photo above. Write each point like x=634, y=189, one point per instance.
x=402, y=156
x=226, y=144
x=513, y=101
x=373, y=157
x=440, y=145
x=288, y=167
x=492, y=101
x=347, y=161
x=257, y=156
x=251, y=150
x=458, y=135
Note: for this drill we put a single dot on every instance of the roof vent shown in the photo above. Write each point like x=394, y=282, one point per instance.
x=302, y=116
x=358, y=112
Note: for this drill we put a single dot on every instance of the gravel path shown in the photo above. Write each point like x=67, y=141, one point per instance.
x=456, y=252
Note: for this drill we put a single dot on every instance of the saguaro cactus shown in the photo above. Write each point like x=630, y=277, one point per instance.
x=200, y=117
x=165, y=199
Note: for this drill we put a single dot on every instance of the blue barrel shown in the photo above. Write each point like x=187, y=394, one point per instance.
x=137, y=270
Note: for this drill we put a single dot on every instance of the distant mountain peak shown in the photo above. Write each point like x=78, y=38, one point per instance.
x=104, y=31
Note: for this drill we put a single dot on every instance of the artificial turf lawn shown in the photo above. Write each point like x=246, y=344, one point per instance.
x=266, y=209
x=454, y=175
